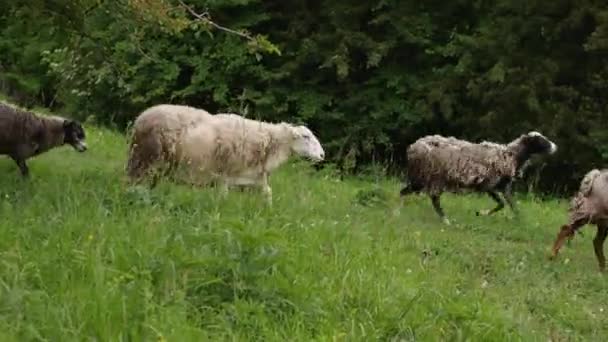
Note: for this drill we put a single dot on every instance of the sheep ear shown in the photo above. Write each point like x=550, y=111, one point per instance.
x=67, y=123
x=295, y=131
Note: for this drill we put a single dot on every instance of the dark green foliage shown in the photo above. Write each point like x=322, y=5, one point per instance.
x=369, y=76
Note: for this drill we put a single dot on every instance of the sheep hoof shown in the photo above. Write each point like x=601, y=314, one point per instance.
x=484, y=212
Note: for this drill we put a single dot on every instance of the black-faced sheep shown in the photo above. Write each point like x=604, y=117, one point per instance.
x=588, y=206
x=198, y=147
x=24, y=134
x=437, y=164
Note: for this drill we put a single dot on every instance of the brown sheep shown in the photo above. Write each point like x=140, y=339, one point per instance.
x=24, y=134
x=588, y=206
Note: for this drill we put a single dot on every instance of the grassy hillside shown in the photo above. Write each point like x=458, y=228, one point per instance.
x=83, y=257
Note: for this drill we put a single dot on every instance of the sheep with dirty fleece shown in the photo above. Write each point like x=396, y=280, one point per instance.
x=24, y=134
x=437, y=164
x=588, y=206
x=192, y=145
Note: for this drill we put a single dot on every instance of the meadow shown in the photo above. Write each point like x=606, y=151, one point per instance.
x=83, y=256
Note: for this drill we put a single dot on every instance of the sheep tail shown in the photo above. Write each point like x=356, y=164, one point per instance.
x=144, y=151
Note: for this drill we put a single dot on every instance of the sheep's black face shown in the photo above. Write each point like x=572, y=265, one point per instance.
x=74, y=135
x=537, y=143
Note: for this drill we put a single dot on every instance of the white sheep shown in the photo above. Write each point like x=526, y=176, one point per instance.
x=437, y=164
x=200, y=148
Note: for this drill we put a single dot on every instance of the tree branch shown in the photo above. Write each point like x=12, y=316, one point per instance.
x=205, y=17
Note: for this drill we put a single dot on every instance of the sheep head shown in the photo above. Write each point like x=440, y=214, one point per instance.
x=535, y=143
x=74, y=135
x=306, y=144
x=566, y=232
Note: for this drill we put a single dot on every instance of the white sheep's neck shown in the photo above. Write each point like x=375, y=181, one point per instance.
x=279, y=148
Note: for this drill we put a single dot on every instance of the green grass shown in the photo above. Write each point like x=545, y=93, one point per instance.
x=84, y=257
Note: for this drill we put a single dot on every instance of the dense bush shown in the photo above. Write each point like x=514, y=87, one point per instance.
x=369, y=76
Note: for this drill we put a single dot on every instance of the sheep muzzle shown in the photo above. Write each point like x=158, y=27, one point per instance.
x=566, y=232
x=80, y=146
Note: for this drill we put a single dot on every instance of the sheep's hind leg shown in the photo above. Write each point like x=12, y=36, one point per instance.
x=509, y=198
x=598, y=245
x=437, y=206
x=405, y=190
x=500, y=205
x=409, y=188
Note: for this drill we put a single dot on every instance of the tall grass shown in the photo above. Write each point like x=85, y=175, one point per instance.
x=84, y=257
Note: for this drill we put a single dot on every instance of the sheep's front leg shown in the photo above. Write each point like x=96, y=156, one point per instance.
x=598, y=245
x=509, y=198
x=500, y=204
x=224, y=187
x=25, y=172
x=437, y=206
x=265, y=185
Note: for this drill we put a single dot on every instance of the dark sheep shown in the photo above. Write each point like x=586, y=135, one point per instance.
x=24, y=134
x=437, y=164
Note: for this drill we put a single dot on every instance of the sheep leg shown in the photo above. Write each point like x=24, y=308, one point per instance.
x=406, y=190
x=500, y=204
x=409, y=188
x=268, y=193
x=266, y=190
x=154, y=175
x=224, y=188
x=437, y=206
x=508, y=194
x=598, y=245
x=25, y=171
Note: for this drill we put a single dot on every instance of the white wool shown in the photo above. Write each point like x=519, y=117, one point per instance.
x=224, y=147
x=234, y=147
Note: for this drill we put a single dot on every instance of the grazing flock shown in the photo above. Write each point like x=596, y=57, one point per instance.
x=190, y=145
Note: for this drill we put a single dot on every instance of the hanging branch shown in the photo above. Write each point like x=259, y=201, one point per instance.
x=205, y=17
